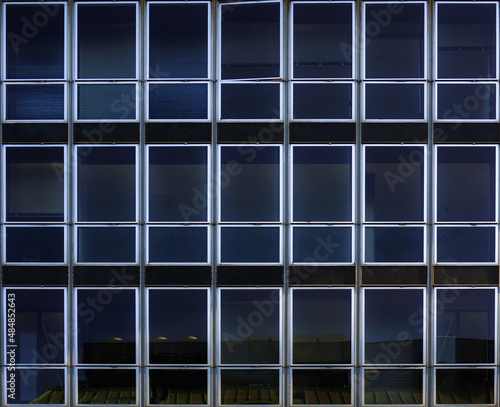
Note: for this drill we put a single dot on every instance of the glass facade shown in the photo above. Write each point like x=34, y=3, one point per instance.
x=275, y=202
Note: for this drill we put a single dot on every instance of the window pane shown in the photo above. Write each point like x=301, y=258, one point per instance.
x=106, y=326
x=178, y=101
x=106, y=40
x=250, y=244
x=250, y=40
x=466, y=184
x=178, y=245
x=178, y=183
x=250, y=326
x=393, y=326
x=107, y=102
x=178, y=322
x=34, y=184
x=394, y=101
x=465, y=386
x=322, y=183
x=467, y=40
x=34, y=102
x=466, y=244
x=250, y=101
x=394, y=183
x=322, y=244
x=466, y=101
x=106, y=183
x=106, y=244
x=322, y=40
x=35, y=41
x=178, y=386
x=39, y=325
x=178, y=40
x=38, y=386
x=321, y=386
x=250, y=183
x=393, y=386
x=107, y=386
x=322, y=101
x=35, y=244
x=395, y=47
x=465, y=326
x=322, y=326
x=394, y=244
x=250, y=386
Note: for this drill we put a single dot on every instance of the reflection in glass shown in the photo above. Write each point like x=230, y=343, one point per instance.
x=321, y=386
x=466, y=244
x=250, y=326
x=178, y=244
x=393, y=386
x=254, y=387
x=394, y=101
x=322, y=101
x=107, y=101
x=178, y=101
x=321, y=326
x=178, y=326
x=322, y=244
x=106, y=244
x=34, y=244
x=465, y=386
x=466, y=101
x=250, y=244
x=394, y=244
x=178, y=386
x=39, y=386
x=250, y=101
x=393, y=326
x=34, y=102
x=107, y=386
x=465, y=326
x=106, y=326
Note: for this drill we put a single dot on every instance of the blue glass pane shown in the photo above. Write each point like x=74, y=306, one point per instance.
x=397, y=102
x=394, y=244
x=250, y=101
x=121, y=383
x=393, y=386
x=466, y=245
x=106, y=245
x=189, y=386
x=263, y=386
x=322, y=101
x=466, y=101
x=34, y=102
x=250, y=244
x=178, y=101
x=322, y=386
x=32, y=386
x=106, y=102
x=35, y=244
x=322, y=245
x=453, y=386
x=178, y=245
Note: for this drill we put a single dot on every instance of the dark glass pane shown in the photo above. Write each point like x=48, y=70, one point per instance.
x=393, y=386
x=107, y=102
x=250, y=244
x=250, y=40
x=467, y=40
x=322, y=101
x=322, y=40
x=465, y=326
x=178, y=386
x=35, y=41
x=107, y=386
x=106, y=40
x=34, y=184
x=250, y=183
x=106, y=244
x=394, y=41
x=394, y=101
x=393, y=326
x=322, y=183
x=178, y=245
x=322, y=326
x=178, y=101
x=321, y=386
x=106, y=326
x=466, y=244
x=178, y=326
x=106, y=183
x=250, y=101
x=178, y=40
x=322, y=244
x=394, y=244
x=394, y=183
x=466, y=184
x=35, y=244
x=38, y=386
x=465, y=386
x=250, y=326
x=254, y=387
x=178, y=183
x=38, y=335
x=466, y=101
x=34, y=102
